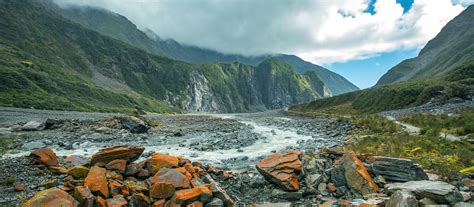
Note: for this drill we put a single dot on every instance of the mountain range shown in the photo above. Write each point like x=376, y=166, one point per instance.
x=52, y=59
x=444, y=69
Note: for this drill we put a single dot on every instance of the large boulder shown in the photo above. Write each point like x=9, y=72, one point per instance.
x=160, y=160
x=357, y=176
x=119, y=152
x=172, y=176
x=52, y=197
x=396, y=169
x=45, y=156
x=96, y=180
x=134, y=125
x=282, y=169
x=440, y=192
x=402, y=199
x=33, y=126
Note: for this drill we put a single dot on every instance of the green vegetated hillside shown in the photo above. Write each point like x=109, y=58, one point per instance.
x=459, y=82
x=453, y=46
x=443, y=70
x=120, y=28
x=50, y=62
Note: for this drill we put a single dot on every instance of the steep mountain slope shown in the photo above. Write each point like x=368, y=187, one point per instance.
x=443, y=70
x=50, y=62
x=453, y=46
x=119, y=27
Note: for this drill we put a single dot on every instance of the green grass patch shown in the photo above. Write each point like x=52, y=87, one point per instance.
x=374, y=124
x=6, y=141
x=442, y=156
x=461, y=125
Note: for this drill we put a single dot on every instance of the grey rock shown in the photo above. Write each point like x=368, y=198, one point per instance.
x=402, y=199
x=53, y=123
x=463, y=204
x=338, y=176
x=313, y=180
x=216, y=202
x=33, y=126
x=33, y=145
x=397, y=169
x=289, y=196
x=134, y=125
x=440, y=192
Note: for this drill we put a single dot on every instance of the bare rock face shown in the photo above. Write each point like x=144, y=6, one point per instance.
x=402, y=199
x=357, y=176
x=114, y=153
x=282, y=169
x=396, y=169
x=440, y=192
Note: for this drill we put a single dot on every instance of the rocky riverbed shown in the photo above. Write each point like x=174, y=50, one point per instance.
x=263, y=157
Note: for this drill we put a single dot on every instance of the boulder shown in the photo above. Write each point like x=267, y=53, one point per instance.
x=96, y=180
x=119, y=152
x=186, y=196
x=402, y=199
x=139, y=200
x=160, y=160
x=172, y=176
x=116, y=202
x=161, y=190
x=117, y=165
x=115, y=188
x=357, y=176
x=45, y=156
x=440, y=192
x=218, y=192
x=52, y=197
x=52, y=123
x=84, y=195
x=33, y=126
x=396, y=169
x=78, y=171
x=282, y=169
x=134, y=125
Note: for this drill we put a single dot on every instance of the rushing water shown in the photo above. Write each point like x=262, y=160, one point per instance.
x=274, y=138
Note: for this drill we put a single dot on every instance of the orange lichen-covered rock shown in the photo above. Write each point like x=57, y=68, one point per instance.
x=357, y=176
x=84, y=195
x=52, y=197
x=162, y=190
x=115, y=188
x=101, y=202
x=195, y=204
x=45, y=156
x=116, y=202
x=160, y=160
x=117, y=165
x=186, y=195
x=183, y=171
x=282, y=169
x=96, y=181
x=119, y=152
x=159, y=203
x=172, y=176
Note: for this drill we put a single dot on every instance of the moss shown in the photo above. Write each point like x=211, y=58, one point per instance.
x=9, y=180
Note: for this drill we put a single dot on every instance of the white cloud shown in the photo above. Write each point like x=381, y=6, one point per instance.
x=324, y=31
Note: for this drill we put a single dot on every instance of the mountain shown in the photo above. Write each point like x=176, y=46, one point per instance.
x=443, y=70
x=120, y=28
x=49, y=62
x=453, y=46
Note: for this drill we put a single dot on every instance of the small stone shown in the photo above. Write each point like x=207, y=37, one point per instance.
x=402, y=199
x=322, y=187
x=427, y=201
x=159, y=203
x=19, y=187
x=216, y=202
x=116, y=202
x=139, y=200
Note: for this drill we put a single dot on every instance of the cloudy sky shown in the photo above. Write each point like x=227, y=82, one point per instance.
x=360, y=39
